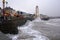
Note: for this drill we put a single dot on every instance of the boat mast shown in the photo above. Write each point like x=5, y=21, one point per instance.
x=3, y=8
x=3, y=4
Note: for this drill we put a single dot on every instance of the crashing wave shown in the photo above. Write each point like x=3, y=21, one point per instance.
x=27, y=33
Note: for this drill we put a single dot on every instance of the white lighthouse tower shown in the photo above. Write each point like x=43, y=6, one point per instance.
x=37, y=14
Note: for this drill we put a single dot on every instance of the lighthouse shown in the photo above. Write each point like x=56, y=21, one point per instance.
x=37, y=14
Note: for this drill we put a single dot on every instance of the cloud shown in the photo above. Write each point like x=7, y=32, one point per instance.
x=48, y=7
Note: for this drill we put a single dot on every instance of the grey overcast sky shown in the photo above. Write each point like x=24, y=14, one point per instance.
x=47, y=7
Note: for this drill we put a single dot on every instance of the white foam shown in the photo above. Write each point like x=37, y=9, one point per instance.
x=37, y=19
x=53, y=24
x=31, y=32
x=27, y=33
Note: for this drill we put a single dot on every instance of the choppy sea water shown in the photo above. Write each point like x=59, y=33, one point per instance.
x=27, y=33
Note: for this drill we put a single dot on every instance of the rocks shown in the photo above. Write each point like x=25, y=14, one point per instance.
x=8, y=27
x=44, y=17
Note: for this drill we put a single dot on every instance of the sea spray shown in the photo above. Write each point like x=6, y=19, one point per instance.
x=27, y=33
